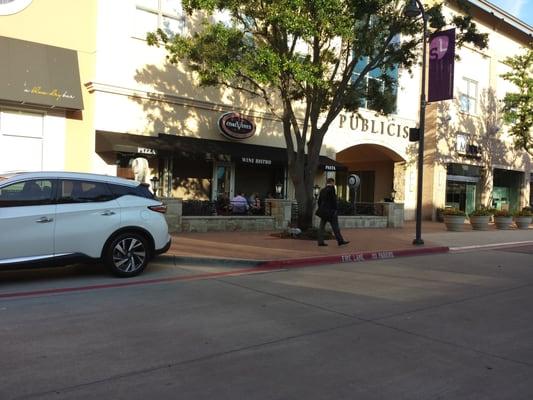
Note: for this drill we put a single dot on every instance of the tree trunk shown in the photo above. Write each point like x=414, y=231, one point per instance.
x=302, y=172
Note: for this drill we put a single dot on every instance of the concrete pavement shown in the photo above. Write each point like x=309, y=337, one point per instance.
x=267, y=249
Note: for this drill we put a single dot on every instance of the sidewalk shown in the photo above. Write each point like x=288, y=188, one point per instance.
x=261, y=248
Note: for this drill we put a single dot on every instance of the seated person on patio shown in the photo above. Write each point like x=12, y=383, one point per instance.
x=223, y=205
x=255, y=203
x=239, y=204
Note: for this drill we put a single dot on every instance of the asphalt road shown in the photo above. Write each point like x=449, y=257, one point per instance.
x=453, y=326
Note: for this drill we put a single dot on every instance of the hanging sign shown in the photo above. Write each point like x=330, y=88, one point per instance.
x=236, y=127
x=441, y=65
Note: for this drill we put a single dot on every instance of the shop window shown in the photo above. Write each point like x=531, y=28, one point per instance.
x=8, y=7
x=21, y=140
x=151, y=15
x=377, y=81
x=468, y=96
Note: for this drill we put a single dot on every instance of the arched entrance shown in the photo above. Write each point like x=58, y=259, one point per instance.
x=382, y=173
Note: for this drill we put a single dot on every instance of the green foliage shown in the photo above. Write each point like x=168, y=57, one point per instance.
x=502, y=213
x=453, y=211
x=482, y=211
x=524, y=212
x=518, y=106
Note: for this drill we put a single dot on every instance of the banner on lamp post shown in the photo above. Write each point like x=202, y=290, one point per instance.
x=441, y=65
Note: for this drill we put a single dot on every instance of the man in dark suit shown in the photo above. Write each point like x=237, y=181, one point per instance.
x=327, y=211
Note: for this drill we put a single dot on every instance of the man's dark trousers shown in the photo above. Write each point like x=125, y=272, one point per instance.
x=334, y=222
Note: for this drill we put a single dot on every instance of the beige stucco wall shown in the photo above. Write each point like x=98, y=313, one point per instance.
x=146, y=95
x=72, y=25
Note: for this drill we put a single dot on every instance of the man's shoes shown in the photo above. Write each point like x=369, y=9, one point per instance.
x=343, y=242
x=322, y=244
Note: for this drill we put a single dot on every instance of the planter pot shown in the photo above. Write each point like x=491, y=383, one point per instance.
x=480, y=222
x=503, y=222
x=455, y=223
x=522, y=222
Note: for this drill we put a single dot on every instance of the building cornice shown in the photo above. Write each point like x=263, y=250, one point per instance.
x=173, y=99
x=503, y=16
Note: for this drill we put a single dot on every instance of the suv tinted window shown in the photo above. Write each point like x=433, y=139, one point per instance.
x=74, y=191
x=140, y=191
x=28, y=193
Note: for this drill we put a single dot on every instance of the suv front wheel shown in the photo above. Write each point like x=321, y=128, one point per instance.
x=127, y=254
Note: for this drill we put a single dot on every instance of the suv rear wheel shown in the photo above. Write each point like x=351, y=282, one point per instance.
x=127, y=254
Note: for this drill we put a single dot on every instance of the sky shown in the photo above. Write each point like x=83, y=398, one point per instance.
x=522, y=9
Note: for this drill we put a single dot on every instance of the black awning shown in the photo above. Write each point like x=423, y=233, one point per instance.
x=195, y=148
x=107, y=142
x=38, y=74
x=328, y=164
x=240, y=152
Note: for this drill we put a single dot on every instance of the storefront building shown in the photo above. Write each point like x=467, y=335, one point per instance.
x=194, y=143
x=45, y=114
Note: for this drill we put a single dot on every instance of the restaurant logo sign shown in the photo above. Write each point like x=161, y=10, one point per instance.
x=236, y=127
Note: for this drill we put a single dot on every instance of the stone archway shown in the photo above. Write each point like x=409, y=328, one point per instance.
x=381, y=170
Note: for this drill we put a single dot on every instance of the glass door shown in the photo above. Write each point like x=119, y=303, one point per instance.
x=223, y=180
x=470, y=203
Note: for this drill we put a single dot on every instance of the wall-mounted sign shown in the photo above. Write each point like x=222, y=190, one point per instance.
x=257, y=161
x=465, y=147
x=375, y=126
x=236, y=127
x=146, y=150
x=460, y=144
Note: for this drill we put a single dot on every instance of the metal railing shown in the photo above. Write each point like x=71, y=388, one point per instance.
x=204, y=208
x=361, y=208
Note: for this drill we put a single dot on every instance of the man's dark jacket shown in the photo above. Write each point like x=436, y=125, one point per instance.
x=327, y=202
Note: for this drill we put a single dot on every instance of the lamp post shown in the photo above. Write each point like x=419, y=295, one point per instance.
x=279, y=188
x=155, y=184
x=316, y=191
x=412, y=10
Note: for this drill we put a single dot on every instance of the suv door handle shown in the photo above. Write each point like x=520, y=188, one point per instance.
x=108, y=212
x=44, y=220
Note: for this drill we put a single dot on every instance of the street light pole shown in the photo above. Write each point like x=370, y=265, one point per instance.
x=413, y=10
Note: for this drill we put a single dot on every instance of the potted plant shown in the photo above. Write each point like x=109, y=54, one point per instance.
x=454, y=219
x=480, y=217
x=503, y=219
x=523, y=218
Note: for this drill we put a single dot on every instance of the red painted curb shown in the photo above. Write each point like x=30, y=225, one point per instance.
x=124, y=284
x=265, y=266
x=351, y=257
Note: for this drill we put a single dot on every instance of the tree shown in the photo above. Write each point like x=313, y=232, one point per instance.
x=260, y=54
x=518, y=106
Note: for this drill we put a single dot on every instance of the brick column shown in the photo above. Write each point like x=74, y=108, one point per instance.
x=174, y=213
x=280, y=209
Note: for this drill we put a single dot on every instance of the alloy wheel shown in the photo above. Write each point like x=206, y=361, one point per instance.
x=129, y=254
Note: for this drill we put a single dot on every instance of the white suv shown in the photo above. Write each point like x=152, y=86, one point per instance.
x=63, y=217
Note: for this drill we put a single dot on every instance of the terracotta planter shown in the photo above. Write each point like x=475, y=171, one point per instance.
x=503, y=222
x=455, y=223
x=480, y=222
x=522, y=222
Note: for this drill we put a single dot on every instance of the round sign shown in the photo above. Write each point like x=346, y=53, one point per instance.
x=354, y=181
x=235, y=126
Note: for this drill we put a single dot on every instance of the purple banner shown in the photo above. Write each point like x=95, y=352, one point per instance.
x=441, y=64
